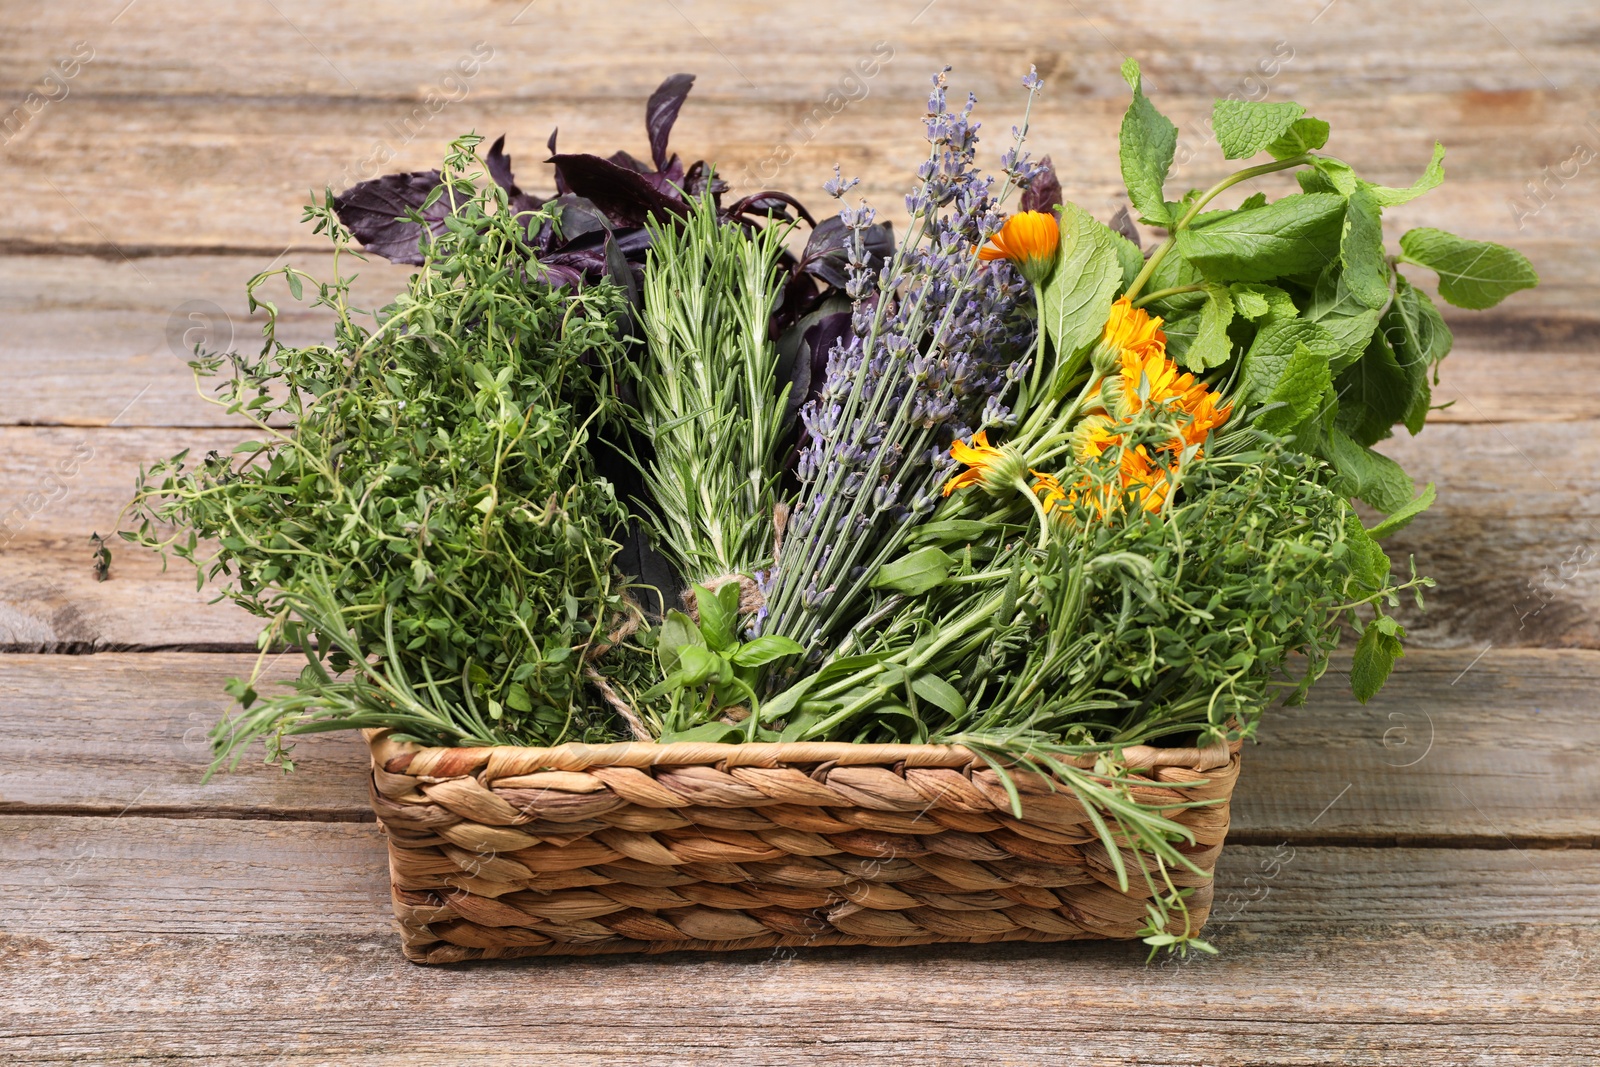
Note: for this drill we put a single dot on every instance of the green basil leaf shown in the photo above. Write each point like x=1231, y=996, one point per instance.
x=940, y=693
x=676, y=633
x=764, y=650
x=1472, y=274
x=719, y=621
x=914, y=573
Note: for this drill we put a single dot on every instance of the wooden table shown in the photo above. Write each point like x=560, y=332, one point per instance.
x=1410, y=882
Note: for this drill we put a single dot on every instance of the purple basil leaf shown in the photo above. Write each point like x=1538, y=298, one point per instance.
x=698, y=177
x=769, y=202
x=1044, y=192
x=825, y=254
x=662, y=111
x=374, y=212
x=557, y=275
x=577, y=218
x=624, y=159
x=561, y=186
x=625, y=196
x=499, y=167
x=626, y=275
x=1122, y=222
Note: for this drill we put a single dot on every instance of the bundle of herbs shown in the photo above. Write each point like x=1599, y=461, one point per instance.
x=1007, y=482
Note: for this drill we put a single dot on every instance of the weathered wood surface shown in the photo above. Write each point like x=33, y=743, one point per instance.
x=1513, y=541
x=148, y=918
x=1426, y=763
x=250, y=941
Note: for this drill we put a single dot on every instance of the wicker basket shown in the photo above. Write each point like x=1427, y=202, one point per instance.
x=638, y=847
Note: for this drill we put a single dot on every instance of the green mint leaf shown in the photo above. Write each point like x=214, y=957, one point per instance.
x=1147, y=141
x=1129, y=257
x=1299, y=389
x=1245, y=127
x=1305, y=135
x=1212, y=347
x=1402, y=517
x=1431, y=179
x=1472, y=274
x=718, y=623
x=1087, y=278
x=914, y=573
x=1366, y=271
x=1336, y=173
x=1273, y=348
x=1295, y=235
x=1367, y=475
x=1421, y=339
x=1348, y=321
x=1374, y=393
x=764, y=650
x=1369, y=564
x=1250, y=301
x=1375, y=654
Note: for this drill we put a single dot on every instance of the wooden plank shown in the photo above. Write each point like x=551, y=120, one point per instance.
x=93, y=342
x=57, y=487
x=153, y=112
x=1512, y=542
x=90, y=343
x=344, y=49
x=1317, y=995
x=128, y=733
x=1429, y=761
x=165, y=937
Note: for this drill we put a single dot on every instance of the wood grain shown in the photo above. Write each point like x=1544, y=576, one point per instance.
x=260, y=943
x=94, y=342
x=1430, y=761
x=174, y=150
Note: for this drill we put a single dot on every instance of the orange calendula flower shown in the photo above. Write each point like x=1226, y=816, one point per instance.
x=1131, y=329
x=997, y=469
x=1050, y=488
x=1029, y=239
x=979, y=456
x=1134, y=350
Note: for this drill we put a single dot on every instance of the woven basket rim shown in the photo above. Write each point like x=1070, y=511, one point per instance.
x=507, y=760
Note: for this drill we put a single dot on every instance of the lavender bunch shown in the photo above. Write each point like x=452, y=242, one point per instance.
x=931, y=355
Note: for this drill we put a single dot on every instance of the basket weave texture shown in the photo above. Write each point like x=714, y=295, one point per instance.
x=639, y=847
